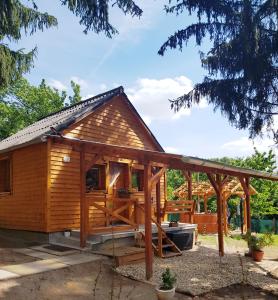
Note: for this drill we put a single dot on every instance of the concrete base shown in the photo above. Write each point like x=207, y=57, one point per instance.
x=28, y=237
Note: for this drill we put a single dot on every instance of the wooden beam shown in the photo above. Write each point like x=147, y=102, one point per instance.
x=83, y=206
x=174, y=161
x=213, y=182
x=148, y=222
x=155, y=178
x=93, y=161
x=186, y=174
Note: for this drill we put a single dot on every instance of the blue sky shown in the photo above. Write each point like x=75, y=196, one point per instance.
x=130, y=59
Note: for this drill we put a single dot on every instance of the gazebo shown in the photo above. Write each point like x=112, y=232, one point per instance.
x=204, y=190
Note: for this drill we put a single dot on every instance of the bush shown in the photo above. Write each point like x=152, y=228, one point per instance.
x=257, y=243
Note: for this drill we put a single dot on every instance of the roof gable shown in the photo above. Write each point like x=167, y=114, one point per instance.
x=64, y=118
x=115, y=123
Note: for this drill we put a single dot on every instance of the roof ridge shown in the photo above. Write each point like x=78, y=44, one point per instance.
x=84, y=102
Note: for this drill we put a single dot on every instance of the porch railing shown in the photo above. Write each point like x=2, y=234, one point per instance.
x=124, y=210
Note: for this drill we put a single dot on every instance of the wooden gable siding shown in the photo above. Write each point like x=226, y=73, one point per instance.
x=25, y=207
x=114, y=123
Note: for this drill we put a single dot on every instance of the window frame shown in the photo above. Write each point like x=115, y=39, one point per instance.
x=102, y=178
x=9, y=159
x=140, y=176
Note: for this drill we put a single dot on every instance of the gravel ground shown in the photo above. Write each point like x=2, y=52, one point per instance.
x=200, y=271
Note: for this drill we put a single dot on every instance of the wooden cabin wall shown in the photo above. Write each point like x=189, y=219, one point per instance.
x=64, y=194
x=25, y=207
x=64, y=206
x=113, y=123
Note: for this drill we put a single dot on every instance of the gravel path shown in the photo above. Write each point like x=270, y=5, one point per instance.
x=201, y=270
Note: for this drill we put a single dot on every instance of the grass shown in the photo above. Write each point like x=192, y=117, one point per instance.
x=235, y=240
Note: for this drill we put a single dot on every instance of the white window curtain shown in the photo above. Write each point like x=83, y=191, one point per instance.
x=115, y=171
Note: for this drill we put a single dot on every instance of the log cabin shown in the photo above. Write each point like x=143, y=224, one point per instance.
x=95, y=166
x=40, y=179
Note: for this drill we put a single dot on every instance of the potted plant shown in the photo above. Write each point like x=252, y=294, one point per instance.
x=166, y=290
x=257, y=243
x=123, y=193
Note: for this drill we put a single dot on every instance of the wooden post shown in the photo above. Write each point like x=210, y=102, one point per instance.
x=219, y=195
x=225, y=221
x=248, y=212
x=148, y=222
x=245, y=183
x=158, y=217
x=241, y=216
x=83, y=210
x=188, y=177
x=244, y=216
x=218, y=187
x=189, y=187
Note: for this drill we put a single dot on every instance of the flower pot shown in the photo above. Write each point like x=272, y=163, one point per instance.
x=257, y=255
x=165, y=294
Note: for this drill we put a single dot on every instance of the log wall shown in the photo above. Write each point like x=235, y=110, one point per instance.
x=25, y=206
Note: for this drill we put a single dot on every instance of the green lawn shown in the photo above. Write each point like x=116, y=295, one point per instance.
x=236, y=240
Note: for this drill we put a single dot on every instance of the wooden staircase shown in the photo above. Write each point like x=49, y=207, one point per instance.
x=162, y=245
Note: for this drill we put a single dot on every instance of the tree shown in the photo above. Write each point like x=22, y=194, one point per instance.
x=266, y=201
x=16, y=18
x=23, y=104
x=242, y=64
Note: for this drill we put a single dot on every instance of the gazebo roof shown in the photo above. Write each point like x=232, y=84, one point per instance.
x=205, y=189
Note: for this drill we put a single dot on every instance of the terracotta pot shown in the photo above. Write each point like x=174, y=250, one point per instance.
x=257, y=255
x=165, y=294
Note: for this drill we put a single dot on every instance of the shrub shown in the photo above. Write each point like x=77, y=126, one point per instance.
x=258, y=242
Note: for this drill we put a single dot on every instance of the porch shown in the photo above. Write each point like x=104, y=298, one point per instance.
x=153, y=165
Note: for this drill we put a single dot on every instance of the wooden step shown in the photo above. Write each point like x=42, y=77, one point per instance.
x=124, y=255
x=167, y=245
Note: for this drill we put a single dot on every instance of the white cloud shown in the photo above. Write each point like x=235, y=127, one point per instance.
x=88, y=96
x=151, y=97
x=57, y=85
x=245, y=146
x=103, y=87
x=83, y=83
x=170, y=149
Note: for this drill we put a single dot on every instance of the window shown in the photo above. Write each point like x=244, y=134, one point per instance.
x=138, y=180
x=5, y=175
x=95, y=178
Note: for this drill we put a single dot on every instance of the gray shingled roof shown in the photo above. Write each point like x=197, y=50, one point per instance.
x=59, y=121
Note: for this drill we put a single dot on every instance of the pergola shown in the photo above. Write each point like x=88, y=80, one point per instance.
x=155, y=165
x=205, y=190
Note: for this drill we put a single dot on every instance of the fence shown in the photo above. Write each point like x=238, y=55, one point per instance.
x=263, y=226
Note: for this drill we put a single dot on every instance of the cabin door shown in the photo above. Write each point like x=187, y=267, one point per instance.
x=119, y=179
